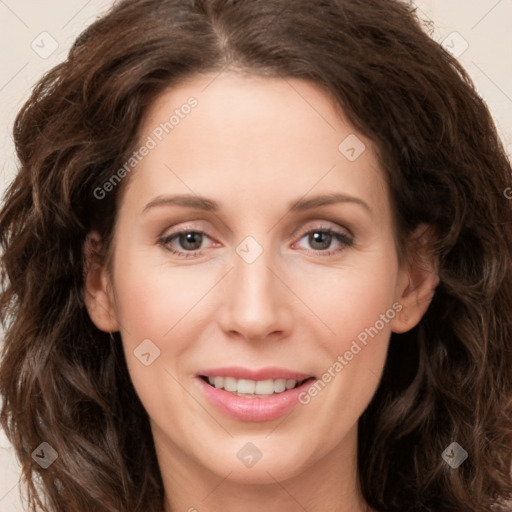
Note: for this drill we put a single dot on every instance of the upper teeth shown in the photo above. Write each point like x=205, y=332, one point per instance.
x=258, y=387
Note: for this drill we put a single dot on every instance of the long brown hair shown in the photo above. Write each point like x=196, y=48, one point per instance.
x=65, y=383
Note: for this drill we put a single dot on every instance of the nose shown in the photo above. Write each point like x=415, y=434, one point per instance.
x=257, y=300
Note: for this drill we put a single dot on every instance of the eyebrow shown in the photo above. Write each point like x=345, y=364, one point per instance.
x=206, y=204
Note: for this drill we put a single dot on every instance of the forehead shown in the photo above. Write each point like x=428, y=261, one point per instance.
x=243, y=135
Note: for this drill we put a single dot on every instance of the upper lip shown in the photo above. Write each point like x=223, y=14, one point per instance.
x=261, y=374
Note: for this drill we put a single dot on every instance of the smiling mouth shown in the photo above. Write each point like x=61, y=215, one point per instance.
x=253, y=388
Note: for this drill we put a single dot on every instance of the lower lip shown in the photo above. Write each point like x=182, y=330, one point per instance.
x=254, y=409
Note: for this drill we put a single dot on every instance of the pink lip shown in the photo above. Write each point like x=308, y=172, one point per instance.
x=254, y=409
x=262, y=374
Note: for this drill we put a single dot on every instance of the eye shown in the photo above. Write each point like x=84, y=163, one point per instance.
x=321, y=238
x=190, y=241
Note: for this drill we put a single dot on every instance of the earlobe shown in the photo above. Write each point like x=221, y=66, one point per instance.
x=98, y=295
x=417, y=282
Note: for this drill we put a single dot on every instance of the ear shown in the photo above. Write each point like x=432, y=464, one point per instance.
x=98, y=294
x=417, y=281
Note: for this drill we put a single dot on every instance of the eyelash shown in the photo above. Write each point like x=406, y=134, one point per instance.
x=344, y=239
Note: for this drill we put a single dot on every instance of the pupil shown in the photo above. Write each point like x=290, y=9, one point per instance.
x=188, y=238
x=316, y=238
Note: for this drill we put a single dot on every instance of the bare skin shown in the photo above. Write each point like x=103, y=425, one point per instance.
x=255, y=146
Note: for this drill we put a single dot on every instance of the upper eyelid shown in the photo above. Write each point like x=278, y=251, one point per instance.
x=301, y=230
x=320, y=227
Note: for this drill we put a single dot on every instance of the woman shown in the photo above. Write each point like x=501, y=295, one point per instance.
x=336, y=334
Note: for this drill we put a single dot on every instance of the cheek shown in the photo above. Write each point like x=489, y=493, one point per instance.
x=356, y=313
x=152, y=298
x=349, y=301
x=157, y=306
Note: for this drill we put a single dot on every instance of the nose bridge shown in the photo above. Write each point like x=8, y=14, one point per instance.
x=256, y=302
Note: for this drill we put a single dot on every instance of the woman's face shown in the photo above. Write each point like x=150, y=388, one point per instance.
x=255, y=288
